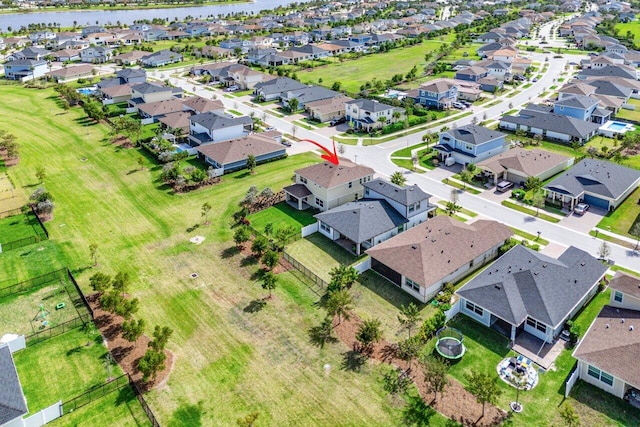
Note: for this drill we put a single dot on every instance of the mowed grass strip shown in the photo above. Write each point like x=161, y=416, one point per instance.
x=233, y=360
x=17, y=227
x=282, y=215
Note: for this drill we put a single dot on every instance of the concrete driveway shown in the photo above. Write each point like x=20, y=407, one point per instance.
x=584, y=223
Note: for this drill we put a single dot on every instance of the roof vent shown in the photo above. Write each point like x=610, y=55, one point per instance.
x=414, y=247
x=448, y=261
x=621, y=320
x=575, y=280
x=498, y=287
x=544, y=265
x=442, y=251
x=631, y=328
x=606, y=326
x=583, y=263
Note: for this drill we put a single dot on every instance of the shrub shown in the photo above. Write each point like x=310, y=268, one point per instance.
x=574, y=334
x=518, y=194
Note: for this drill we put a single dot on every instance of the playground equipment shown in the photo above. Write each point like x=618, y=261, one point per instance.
x=42, y=314
x=449, y=343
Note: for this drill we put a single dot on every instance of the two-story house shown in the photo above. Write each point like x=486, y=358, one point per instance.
x=25, y=69
x=211, y=127
x=608, y=353
x=96, y=54
x=470, y=144
x=385, y=210
x=150, y=92
x=367, y=114
x=472, y=74
x=578, y=106
x=324, y=185
x=438, y=94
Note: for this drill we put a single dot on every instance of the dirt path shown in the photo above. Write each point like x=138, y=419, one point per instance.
x=125, y=353
x=456, y=402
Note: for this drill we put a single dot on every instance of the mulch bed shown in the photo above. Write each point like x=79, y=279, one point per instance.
x=122, y=141
x=456, y=402
x=125, y=353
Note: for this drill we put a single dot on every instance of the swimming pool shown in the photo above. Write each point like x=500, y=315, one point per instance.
x=612, y=127
x=87, y=90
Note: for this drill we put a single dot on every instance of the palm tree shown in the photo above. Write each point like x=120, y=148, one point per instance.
x=340, y=303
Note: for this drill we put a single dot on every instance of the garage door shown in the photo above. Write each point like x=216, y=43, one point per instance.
x=596, y=202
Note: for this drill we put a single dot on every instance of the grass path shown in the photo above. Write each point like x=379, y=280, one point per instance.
x=228, y=361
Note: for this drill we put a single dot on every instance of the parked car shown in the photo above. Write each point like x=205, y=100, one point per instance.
x=535, y=79
x=465, y=103
x=458, y=105
x=581, y=208
x=232, y=88
x=339, y=121
x=504, y=186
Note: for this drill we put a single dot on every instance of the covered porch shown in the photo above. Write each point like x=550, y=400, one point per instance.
x=353, y=247
x=559, y=196
x=296, y=196
x=540, y=352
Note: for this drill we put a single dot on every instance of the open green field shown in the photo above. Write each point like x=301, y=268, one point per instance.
x=622, y=219
x=382, y=66
x=18, y=227
x=633, y=27
x=62, y=368
x=21, y=313
x=231, y=359
x=282, y=215
x=486, y=348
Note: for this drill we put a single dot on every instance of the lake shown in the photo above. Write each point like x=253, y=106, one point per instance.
x=89, y=17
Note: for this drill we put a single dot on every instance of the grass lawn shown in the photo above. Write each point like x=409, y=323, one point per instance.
x=406, y=152
x=406, y=164
x=64, y=366
x=319, y=254
x=460, y=186
x=529, y=211
x=623, y=27
x=628, y=114
x=622, y=219
x=467, y=212
x=231, y=359
x=354, y=73
x=119, y=408
x=532, y=237
x=282, y=215
x=19, y=227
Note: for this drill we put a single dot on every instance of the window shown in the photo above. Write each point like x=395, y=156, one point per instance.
x=411, y=284
x=350, y=184
x=600, y=375
x=617, y=296
x=412, y=208
x=537, y=325
x=400, y=228
x=474, y=308
x=325, y=227
x=471, y=264
x=366, y=190
x=319, y=202
x=303, y=180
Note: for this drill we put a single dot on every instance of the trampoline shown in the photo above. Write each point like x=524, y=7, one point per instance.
x=449, y=343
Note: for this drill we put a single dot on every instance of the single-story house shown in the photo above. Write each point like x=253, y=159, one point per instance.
x=601, y=184
x=442, y=250
x=160, y=58
x=115, y=94
x=13, y=405
x=558, y=127
x=518, y=164
x=526, y=291
x=130, y=58
x=327, y=109
x=231, y=155
x=273, y=89
x=71, y=73
x=150, y=112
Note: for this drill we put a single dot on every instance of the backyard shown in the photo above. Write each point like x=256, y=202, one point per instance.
x=282, y=215
x=234, y=360
x=19, y=227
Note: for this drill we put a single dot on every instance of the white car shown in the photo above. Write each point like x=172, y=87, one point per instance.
x=232, y=88
x=580, y=208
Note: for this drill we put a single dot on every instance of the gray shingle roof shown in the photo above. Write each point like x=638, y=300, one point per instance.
x=12, y=402
x=524, y=283
x=370, y=105
x=604, y=87
x=610, y=71
x=279, y=85
x=595, y=177
x=578, y=101
x=403, y=195
x=150, y=88
x=313, y=93
x=213, y=121
x=554, y=122
x=362, y=220
x=474, y=134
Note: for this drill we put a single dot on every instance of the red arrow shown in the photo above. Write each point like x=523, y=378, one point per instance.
x=332, y=157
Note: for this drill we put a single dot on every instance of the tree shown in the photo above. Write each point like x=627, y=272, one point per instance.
x=249, y=420
x=269, y=282
x=283, y=234
x=634, y=231
x=240, y=236
x=342, y=277
x=435, y=375
x=151, y=363
x=40, y=174
x=409, y=316
x=294, y=104
x=369, y=333
x=398, y=178
x=259, y=245
x=604, y=251
x=132, y=330
x=121, y=282
x=93, y=253
x=270, y=259
x=204, y=211
x=466, y=176
x=538, y=201
x=140, y=162
x=382, y=120
x=160, y=337
x=484, y=387
x=340, y=303
x=100, y=282
x=569, y=415
x=533, y=184
x=251, y=163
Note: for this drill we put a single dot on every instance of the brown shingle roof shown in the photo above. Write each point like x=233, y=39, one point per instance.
x=530, y=162
x=76, y=70
x=161, y=107
x=177, y=120
x=626, y=283
x=578, y=89
x=116, y=91
x=611, y=345
x=431, y=251
x=329, y=105
x=203, y=105
x=234, y=150
x=328, y=175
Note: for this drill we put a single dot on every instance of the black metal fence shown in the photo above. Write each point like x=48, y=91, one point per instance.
x=80, y=294
x=318, y=284
x=55, y=330
x=95, y=393
x=143, y=403
x=41, y=232
x=33, y=282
